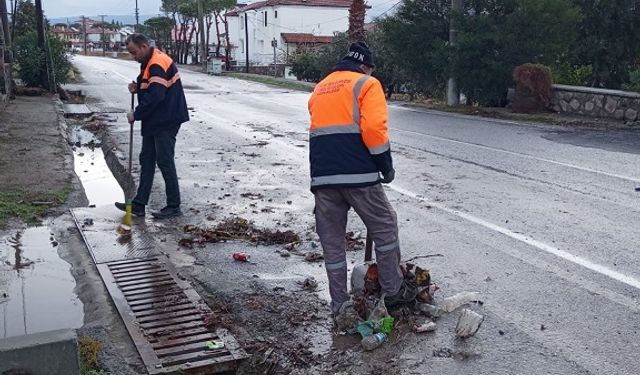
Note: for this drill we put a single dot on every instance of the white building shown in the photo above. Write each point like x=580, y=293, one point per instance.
x=291, y=23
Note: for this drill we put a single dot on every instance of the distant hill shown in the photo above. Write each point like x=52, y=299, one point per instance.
x=127, y=19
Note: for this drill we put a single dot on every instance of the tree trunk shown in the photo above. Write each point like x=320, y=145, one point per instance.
x=183, y=40
x=190, y=40
x=209, y=22
x=227, y=47
x=216, y=16
x=356, y=20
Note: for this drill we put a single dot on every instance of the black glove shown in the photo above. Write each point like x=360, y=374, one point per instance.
x=388, y=177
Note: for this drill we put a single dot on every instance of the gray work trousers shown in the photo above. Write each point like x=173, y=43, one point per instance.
x=372, y=205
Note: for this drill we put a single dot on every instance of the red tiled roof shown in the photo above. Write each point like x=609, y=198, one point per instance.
x=99, y=31
x=301, y=38
x=310, y=3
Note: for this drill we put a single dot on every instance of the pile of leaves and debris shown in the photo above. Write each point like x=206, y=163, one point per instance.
x=273, y=327
x=236, y=228
x=418, y=316
x=354, y=241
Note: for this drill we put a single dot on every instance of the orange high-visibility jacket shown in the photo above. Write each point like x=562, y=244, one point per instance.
x=161, y=101
x=349, y=144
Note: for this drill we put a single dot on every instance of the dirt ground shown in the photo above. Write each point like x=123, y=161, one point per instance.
x=37, y=167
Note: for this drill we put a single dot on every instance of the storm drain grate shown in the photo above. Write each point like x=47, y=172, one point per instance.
x=163, y=314
x=166, y=319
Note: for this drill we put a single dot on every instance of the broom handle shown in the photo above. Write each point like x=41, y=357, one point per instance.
x=131, y=135
x=368, y=247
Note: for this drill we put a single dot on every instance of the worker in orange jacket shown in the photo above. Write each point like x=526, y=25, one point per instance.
x=162, y=108
x=350, y=156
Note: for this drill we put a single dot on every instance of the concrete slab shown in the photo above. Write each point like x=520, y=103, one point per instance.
x=98, y=228
x=47, y=353
x=76, y=110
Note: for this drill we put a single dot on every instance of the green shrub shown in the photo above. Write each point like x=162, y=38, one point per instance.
x=634, y=81
x=574, y=75
x=32, y=61
x=304, y=65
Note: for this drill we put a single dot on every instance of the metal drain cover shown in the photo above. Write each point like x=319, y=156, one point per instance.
x=163, y=313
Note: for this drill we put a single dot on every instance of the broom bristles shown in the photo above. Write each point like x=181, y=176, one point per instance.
x=127, y=220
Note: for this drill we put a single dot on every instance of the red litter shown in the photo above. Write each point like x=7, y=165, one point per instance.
x=241, y=257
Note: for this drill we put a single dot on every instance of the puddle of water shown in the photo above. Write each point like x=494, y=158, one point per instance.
x=100, y=187
x=36, y=285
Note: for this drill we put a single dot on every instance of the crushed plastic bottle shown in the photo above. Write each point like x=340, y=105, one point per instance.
x=430, y=310
x=425, y=327
x=449, y=304
x=371, y=342
x=468, y=323
x=380, y=311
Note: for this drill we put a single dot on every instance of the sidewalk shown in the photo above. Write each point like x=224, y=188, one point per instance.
x=36, y=167
x=43, y=260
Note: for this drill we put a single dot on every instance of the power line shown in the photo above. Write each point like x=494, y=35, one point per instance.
x=388, y=10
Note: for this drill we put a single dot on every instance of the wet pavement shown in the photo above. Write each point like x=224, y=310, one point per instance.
x=541, y=220
x=36, y=285
x=90, y=166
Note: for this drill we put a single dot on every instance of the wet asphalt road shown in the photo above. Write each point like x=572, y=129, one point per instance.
x=543, y=221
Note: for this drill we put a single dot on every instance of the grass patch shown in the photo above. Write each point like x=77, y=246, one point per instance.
x=293, y=85
x=29, y=207
x=89, y=353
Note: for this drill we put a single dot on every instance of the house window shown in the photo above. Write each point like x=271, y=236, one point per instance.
x=242, y=22
x=241, y=46
x=265, y=19
x=275, y=14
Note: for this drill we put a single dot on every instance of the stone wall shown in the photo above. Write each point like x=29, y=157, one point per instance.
x=593, y=102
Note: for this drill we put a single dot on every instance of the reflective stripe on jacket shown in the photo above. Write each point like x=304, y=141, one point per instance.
x=161, y=101
x=349, y=142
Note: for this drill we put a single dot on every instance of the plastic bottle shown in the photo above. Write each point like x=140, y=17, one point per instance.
x=451, y=303
x=371, y=342
x=380, y=311
x=430, y=310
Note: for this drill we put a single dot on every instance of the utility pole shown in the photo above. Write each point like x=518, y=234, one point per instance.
x=137, y=17
x=104, y=42
x=14, y=9
x=203, y=41
x=84, y=34
x=453, y=95
x=4, y=19
x=4, y=49
x=40, y=29
x=274, y=44
x=246, y=42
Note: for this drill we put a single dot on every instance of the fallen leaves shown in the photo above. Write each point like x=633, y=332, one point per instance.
x=236, y=228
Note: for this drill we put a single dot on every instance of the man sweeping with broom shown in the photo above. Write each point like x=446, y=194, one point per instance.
x=162, y=108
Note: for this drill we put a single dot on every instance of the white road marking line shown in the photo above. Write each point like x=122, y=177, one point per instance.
x=628, y=280
x=585, y=169
x=126, y=79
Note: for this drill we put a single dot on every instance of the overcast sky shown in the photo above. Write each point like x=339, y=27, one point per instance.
x=64, y=8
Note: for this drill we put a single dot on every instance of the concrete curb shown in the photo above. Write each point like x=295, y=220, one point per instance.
x=46, y=353
x=117, y=168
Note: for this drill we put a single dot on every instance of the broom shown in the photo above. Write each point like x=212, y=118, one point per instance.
x=127, y=221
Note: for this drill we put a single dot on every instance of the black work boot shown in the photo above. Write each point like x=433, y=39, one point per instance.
x=405, y=296
x=166, y=213
x=136, y=208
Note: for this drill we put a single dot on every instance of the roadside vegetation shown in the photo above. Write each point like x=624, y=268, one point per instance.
x=29, y=207
x=90, y=349
x=583, y=43
x=272, y=81
x=38, y=67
